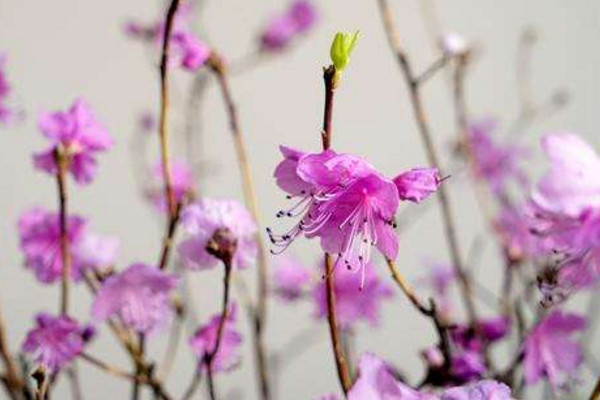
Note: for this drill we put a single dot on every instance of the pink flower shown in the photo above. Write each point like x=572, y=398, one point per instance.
x=290, y=278
x=482, y=390
x=573, y=183
x=55, y=341
x=495, y=163
x=96, y=252
x=39, y=233
x=187, y=50
x=355, y=300
x=205, y=339
x=77, y=134
x=343, y=200
x=549, y=350
x=140, y=296
x=182, y=180
x=376, y=382
x=417, y=184
x=439, y=279
x=282, y=29
x=7, y=113
x=202, y=219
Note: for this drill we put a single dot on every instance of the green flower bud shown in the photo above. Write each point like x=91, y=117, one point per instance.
x=341, y=49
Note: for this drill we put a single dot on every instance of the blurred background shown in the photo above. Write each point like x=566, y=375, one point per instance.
x=64, y=49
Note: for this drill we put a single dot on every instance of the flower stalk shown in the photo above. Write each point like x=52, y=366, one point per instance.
x=62, y=162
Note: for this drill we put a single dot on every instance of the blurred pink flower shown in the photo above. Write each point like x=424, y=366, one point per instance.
x=355, y=300
x=299, y=18
x=205, y=339
x=203, y=218
x=95, y=251
x=55, y=341
x=182, y=181
x=76, y=133
x=573, y=183
x=7, y=113
x=549, y=349
x=290, y=278
x=482, y=390
x=495, y=163
x=39, y=233
x=140, y=296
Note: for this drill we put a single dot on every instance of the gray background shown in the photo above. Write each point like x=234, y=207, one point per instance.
x=62, y=49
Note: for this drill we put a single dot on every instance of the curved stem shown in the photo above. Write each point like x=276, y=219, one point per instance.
x=260, y=312
x=408, y=290
x=432, y=156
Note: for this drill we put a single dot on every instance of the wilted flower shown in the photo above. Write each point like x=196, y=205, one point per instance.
x=140, y=296
x=290, y=278
x=282, y=29
x=549, y=349
x=76, y=135
x=205, y=339
x=355, y=300
x=201, y=220
x=55, y=341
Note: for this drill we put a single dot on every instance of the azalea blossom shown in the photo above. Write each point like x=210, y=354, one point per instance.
x=355, y=300
x=417, y=184
x=7, y=113
x=496, y=163
x=482, y=390
x=205, y=339
x=55, y=341
x=39, y=233
x=572, y=185
x=139, y=295
x=182, y=184
x=77, y=135
x=202, y=219
x=298, y=19
x=96, y=252
x=550, y=351
x=341, y=199
x=187, y=49
x=290, y=278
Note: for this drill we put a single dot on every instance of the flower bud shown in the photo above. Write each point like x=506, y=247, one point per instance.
x=341, y=49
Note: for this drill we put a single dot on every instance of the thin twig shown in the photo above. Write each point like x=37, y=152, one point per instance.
x=13, y=382
x=62, y=163
x=432, y=156
x=260, y=314
x=194, y=384
x=408, y=290
x=164, y=107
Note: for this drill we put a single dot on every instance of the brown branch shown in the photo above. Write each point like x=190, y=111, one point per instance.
x=408, y=290
x=169, y=237
x=62, y=164
x=595, y=395
x=260, y=310
x=431, y=152
x=14, y=383
x=164, y=107
x=338, y=351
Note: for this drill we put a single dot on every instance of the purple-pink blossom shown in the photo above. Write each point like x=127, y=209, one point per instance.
x=496, y=163
x=139, y=295
x=298, y=19
x=341, y=199
x=39, y=233
x=290, y=278
x=188, y=51
x=202, y=219
x=355, y=300
x=182, y=184
x=78, y=136
x=7, y=113
x=417, y=184
x=55, y=341
x=205, y=339
x=482, y=390
x=550, y=351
